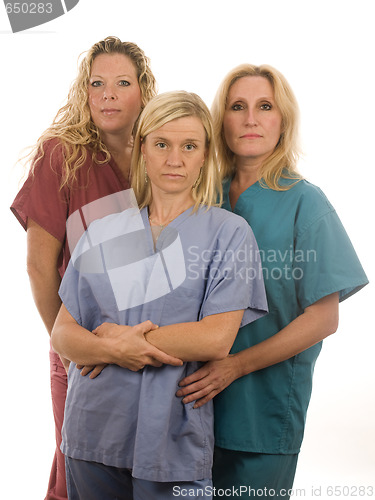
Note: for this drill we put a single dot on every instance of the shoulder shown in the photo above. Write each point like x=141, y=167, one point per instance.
x=48, y=157
x=222, y=217
x=312, y=205
x=58, y=159
x=223, y=226
x=310, y=193
x=308, y=198
x=51, y=148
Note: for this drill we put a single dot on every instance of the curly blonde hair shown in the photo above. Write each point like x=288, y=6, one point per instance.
x=73, y=125
x=282, y=163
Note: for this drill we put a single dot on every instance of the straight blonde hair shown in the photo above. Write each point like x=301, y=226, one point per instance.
x=163, y=109
x=282, y=163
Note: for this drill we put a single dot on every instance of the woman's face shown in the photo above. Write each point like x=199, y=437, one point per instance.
x=252, y=120
x=114, y=94
x=174, y=155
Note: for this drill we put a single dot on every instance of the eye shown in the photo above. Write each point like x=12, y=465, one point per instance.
x=237, y=107
x=190, y=147
x=96, y=83
x=266, y=106
x=124, y=83
x=161, y=145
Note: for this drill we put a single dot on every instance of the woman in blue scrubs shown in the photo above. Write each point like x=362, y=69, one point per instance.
x=309, y=266
x=178, y=262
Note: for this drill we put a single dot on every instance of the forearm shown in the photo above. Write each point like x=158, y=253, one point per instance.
x=121, y=345
x=43, y=252
x=311, y=327
x=44, y=287
x=208, y=339
x=81, y=346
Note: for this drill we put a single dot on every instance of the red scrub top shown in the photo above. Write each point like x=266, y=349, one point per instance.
x=41, y=198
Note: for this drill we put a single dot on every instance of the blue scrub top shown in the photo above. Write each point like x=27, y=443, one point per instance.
x=306, y=255
x=204, y=263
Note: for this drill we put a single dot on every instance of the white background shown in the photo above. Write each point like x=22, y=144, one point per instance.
x=326, y=51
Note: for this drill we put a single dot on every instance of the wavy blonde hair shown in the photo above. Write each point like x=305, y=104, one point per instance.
x=163, y=109
x=282, y=163
x=73, y=125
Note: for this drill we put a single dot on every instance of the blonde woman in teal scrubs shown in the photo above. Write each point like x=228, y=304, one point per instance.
x=309, y=266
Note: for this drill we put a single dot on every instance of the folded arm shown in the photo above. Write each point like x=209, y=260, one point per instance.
x=127, y=348
x=210, y=338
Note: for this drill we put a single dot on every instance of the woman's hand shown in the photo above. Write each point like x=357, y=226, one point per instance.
x=108, y=331
x=93, y=370
x=204, y=384
x=105, y=330
x=134, y=352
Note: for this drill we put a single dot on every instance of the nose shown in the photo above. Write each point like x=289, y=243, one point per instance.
x=109, y=93
x=174, y=158
x=251, y=117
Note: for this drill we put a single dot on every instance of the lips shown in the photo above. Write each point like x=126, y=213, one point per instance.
x=250, y=136
x=173, y=176
x=110, y=111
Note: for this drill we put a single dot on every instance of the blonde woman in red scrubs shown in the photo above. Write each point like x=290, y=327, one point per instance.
x=83, y=156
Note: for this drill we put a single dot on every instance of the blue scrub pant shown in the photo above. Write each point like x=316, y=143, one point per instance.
x=94, y=481
x=253, y=475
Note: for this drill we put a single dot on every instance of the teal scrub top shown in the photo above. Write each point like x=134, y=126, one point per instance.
x=306, y=255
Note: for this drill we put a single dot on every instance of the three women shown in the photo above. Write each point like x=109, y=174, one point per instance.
x=309, y=266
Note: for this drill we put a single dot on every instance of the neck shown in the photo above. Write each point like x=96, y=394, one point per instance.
x=164, y=208
x=247, y=173
x=120, y=146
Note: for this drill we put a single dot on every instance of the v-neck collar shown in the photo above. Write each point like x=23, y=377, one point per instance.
x=173, y=224
x=254, y=190
x=116, y=170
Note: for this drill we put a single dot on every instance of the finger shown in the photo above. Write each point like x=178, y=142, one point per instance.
x=191, y=389
x=204, y=400
x=197, y=394
x=97, y=371
x=155, y=362
x=103, y=325
x=194, y=377
x=86, y=370
x=147, y=326
x=165, y=359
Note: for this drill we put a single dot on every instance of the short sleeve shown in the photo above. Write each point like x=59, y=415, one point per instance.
x=235, y=278
x=41, y=198
x=326, y=262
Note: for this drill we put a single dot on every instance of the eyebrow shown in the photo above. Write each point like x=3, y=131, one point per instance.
x=185, y=140
x=267, y=98
x=118, y=76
